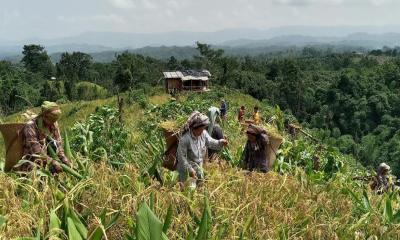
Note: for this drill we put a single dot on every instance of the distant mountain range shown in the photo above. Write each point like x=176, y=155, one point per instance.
x=298, y=36
x=365, y=40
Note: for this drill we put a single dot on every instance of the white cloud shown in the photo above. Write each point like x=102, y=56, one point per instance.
x=8, y=16
x=123, y=4
x=380, y=2
x=173, y=4
x=169, y=13
x=99, y=18
x=311, y=2
x=148, y=4
x=331, y=2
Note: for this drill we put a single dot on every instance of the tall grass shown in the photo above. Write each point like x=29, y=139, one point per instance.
x=294, y=202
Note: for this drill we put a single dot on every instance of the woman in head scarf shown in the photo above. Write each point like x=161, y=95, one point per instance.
x=192, y=147
x=40, y=133
x=255, y=151
x=214, y=129
x=382, y=182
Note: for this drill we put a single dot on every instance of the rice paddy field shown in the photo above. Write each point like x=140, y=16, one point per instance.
x=123, y=192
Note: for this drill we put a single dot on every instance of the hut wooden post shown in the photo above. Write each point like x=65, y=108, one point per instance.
x=120, y=108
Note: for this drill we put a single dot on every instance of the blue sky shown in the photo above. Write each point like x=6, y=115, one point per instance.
x=21, y=19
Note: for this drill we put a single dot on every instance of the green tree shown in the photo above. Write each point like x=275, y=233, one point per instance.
x=173, y=64
x=73, y=68
x=36, y=60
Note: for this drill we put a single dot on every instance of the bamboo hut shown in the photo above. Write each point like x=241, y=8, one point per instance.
x=187, y=80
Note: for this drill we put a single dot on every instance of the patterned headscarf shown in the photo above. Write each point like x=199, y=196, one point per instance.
x=51, y=110
x=198, y=120
x=195, y=119
x=49, y=107
x=255, y=130
x=383, y=167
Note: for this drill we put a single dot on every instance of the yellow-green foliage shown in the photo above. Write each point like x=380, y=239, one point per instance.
x=273, y=206
x=90, y=91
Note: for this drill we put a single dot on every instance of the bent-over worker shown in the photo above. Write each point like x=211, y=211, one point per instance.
x=38, y=134
x=382, y=182
x=255, y=151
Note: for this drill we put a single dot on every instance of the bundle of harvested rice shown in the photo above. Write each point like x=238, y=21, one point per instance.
x=13, y=140
x=275, y=140
x=171, y=130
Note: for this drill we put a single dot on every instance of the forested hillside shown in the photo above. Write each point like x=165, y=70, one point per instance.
x=350, y=99
x=120, y=190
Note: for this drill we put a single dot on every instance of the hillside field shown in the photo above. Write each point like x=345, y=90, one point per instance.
x=124, y=193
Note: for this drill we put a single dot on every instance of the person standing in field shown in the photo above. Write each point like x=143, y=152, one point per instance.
x=255, y=152
x=256, y=116
x=223, y=109
x=214, y=129
x=242, y=112
x=41, y=132
x=382, y=182
x=192, y=147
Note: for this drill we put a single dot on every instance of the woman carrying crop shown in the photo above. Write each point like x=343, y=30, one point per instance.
x=39, y=134
x=255, y=151
x=192, y=148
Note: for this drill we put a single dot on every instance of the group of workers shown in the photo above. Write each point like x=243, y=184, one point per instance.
x=203, y=136
x=200, y=140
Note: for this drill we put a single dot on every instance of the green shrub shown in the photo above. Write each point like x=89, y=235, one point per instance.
x=90, y=91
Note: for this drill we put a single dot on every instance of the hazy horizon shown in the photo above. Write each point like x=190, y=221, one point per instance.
x=48, y=19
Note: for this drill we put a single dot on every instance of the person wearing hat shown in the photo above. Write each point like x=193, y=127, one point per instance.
x=38, y=134
x=382, y=182
x=192, y=147
x=255, y=151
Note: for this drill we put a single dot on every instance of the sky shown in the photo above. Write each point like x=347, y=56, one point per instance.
x=30, y=19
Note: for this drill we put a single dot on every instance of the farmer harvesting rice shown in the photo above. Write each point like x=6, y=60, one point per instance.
x=193, y=146
x=382, y=182
x=223, y=109
x=255, y=151
x=214, y=129
x=41, y=132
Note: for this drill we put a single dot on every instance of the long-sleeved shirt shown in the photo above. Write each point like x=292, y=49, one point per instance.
x=35, y=142
x=217, y=134
x=192, y=150
x=255, y=154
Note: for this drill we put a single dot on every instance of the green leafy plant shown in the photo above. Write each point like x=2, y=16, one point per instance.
x=148, y=226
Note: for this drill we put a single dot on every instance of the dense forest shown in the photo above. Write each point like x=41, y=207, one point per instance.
x=351, y=100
